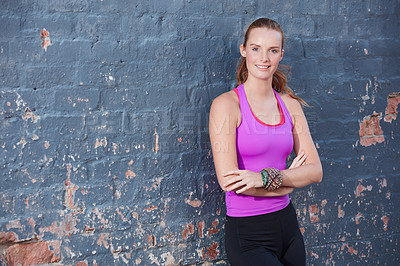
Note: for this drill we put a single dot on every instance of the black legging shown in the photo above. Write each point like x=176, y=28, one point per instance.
x=268, y=239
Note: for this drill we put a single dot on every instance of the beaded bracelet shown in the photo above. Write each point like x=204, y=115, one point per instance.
x=272, y=178
x=265, y=178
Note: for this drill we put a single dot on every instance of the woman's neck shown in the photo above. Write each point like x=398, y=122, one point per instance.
x=259, y=88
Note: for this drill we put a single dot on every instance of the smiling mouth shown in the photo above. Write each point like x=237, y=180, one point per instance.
x=262, y=67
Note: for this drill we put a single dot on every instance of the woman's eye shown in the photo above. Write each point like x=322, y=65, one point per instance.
x=255, y=49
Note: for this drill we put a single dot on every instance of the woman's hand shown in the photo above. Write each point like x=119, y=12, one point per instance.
x=245, y=180
x=241, y=180
x=299, y=160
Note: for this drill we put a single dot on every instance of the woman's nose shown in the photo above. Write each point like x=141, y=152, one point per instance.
x=265, y=57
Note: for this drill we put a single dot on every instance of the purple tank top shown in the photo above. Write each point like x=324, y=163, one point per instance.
x=260, y=146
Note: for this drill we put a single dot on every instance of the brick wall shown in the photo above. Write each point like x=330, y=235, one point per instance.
x=104, y=148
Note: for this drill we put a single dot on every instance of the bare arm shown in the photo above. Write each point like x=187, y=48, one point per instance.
x=311, y=171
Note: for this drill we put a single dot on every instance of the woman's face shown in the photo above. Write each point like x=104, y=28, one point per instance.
x=263, y=52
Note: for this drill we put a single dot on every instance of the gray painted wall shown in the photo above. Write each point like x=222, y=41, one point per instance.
x=104, y=148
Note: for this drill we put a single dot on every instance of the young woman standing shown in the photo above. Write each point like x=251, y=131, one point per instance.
x=253, y=129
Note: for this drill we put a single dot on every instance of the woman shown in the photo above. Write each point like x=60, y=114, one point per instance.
x=253, y=129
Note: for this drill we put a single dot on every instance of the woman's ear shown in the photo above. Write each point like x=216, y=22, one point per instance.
x=242, y=50
x=282, y=54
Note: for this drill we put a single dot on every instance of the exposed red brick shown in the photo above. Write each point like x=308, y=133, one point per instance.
x=315, y=255
x=45, y=37
x=152, y=240
x=371, y=141
x=366, y=127
x=185, y=233
x=201, y=229
x=130, y=174
x=151, y=208
x=314, y=211
x=102, y=240
x=370, y=131
x=8, y=237
x=391, y=109
x=377, y=128
x=82, y=263
x=191, y=228
x=352, y=251
x=30, y=254
x=194, y=203
x=385, y=220
x=358, y=217
x=212, y=251
x=14, y=224
x=360, y=188
x=340, y=212
x=213, y=229
x=156, y=137
x=63, y=228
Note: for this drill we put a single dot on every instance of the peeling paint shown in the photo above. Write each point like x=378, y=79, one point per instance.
x=314, y=212
x=194, y=203
x=213, y=229
x=28, y=114
x=130, y=174
x=391, y=109
x=102, y=142
x=156, y=146
x=210, y=252
x=370, y=131
x=340, y=212
x=45, y=37
x=66, y=227
x=385, y=221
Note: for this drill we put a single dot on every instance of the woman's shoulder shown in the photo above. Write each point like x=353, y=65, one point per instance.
x=292, y=104
x=228, y=100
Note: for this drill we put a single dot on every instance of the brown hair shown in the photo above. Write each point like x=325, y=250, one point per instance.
x=280, y=75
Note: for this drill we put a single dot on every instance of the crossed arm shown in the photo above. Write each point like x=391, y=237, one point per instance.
x=305, y=169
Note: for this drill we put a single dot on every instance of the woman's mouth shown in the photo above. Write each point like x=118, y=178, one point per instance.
x=263, y=67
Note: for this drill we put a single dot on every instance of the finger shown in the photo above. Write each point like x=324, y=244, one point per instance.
x=241, y=190
x=302, y=159
x=235, y=186
x=233, y=172
x=231, y=182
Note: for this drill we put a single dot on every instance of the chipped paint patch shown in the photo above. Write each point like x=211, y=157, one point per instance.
x=130, y=174
x=385, y=221
x=28, y=114
x=194, y=203
x=151, y=208
x=102, y=240
x=14, y=224
x=214, y=228
x=370, y=131
x=391, y=109
x=358, y=217
x=212, y=251
x=340, y=212
x=168, y=258
x=66, y=227
x=45, y=37
x=360, y=188
x=101, y=142
x=156, y=146
x=200, y=229
x=314, y=212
